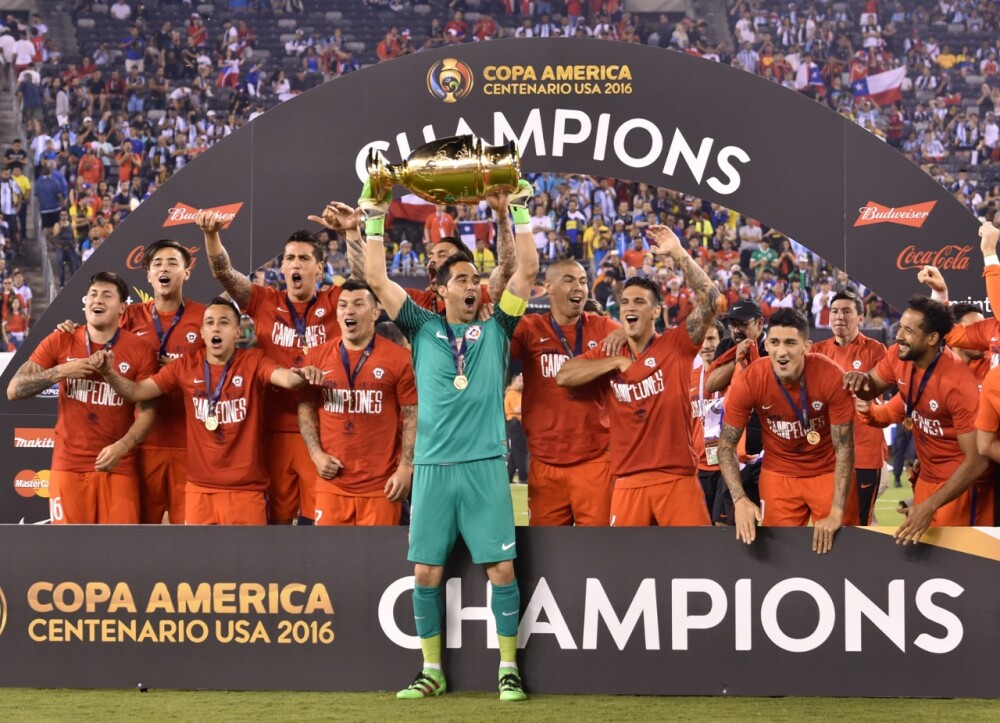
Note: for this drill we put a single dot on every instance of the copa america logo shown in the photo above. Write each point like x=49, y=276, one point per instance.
x=449, y=80
x=3, y=612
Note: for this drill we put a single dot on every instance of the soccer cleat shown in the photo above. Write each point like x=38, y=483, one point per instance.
x=427, y=684
x=510, y=685
x=522, y=195
x=372, y=206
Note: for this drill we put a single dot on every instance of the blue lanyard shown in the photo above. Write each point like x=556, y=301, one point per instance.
x=457, y=353
x=213, y=396
x=562, y=337
x=923, y=385
x=801, y=413
x=107, y=346
x=351, y=376
x=164, y=337
x=300, y=324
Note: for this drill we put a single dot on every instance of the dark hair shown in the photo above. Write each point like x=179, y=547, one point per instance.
x=444, y=270
x=353, y=284
x=650, y=286
x=308, y=237
x=228, y=303
x=719, y=327
x=790, y=318
x=849, y=296
x=390, y=331
x=962, y=308
x=110, y=277
x=937, y=316
x=164, y=243
x=593, y=306
x=462, y=249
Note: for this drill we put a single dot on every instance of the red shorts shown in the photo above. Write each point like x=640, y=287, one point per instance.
x=292, y=491
x=974, y=507
x=87, y=498
x=790, y=501
x=657, y=498
x=205, y=506
x=334, y=506
x=162, y=479
x=577, y=494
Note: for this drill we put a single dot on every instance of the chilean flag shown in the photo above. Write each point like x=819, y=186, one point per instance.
x=411, y=208
x=472, y=231
x=882, y=88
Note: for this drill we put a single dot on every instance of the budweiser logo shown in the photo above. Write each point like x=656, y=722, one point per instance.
x=913, y=216
x=946, y=258
x=182, y=214
x=34, y=437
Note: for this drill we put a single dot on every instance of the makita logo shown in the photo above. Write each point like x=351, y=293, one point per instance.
x=183, y=214
x=34, y=437
x=913, y=216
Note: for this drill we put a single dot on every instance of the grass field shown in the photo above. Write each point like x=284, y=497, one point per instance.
x=58, y=705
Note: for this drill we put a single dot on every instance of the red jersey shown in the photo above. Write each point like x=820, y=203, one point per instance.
x=91, y=415
x=946, y=409
x=981, y=336
x=178, y=341
x=428, y=299
x=230, y=457
x=278, y=337
x=563, y=426
x=988, y=417
x=353, y=416
x=649, y=409
x=861, y=355
x=706, y=416
x=786, y=450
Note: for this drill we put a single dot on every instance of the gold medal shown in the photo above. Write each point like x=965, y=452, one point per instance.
x=461, y=382
x=907, y=424
x=305, y=348
x=813, y=437
x=211, y=423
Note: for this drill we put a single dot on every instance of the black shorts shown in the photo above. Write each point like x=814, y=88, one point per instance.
x=50, y=218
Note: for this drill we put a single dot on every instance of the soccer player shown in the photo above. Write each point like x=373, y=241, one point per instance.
x=569, y=478
x=460, y=484
x=706, y=413
x=93, y=468
x=368, y=395
x=288, y=326
x=223, y=390
x=940, y=397
x=652, y=451
x=853, y=351
x=807, y=420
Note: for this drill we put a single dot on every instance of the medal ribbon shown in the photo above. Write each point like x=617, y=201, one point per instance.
x=801, y=413
x=923, y=385
x=644, y=350
x=562, y=337
x=300, y=324
x=351, y=376
x=213, y=396
x=164, y=337
x=107, y=346
x=457, y=353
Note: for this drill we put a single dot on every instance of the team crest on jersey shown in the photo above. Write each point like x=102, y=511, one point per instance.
x=378, y=372
x=473, y=332
x=192, y=337
x=124, y=367
x=650, y=362
x=817, y=405
x=320, y=312
x=591, y=344
x=856, y=364
x=934, y=405
x=237, y=381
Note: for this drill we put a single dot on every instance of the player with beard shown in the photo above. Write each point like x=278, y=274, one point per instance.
x=288, y=325
x=223, y=390
x=368, y=393
x=941, y=398
x=706, y=413
x=569, y=478
x=652, y=451
x=807, y=420
x=460, y=483
x=853, y=351
x=94, y=478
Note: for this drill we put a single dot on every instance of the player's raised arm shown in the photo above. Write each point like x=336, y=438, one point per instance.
x=525, y=252
x=343, y=219
x=236, y=284
x=297, y=377
x=665, y=243
x=504, y=206
x=842, y=436
x=747, y=514
x=103, y=362
x=390, y=294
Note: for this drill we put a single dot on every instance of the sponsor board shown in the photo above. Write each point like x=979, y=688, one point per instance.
x=913, y=216
x=29, y=483
x=952, y=257
x=34, y=437
x=181, y=214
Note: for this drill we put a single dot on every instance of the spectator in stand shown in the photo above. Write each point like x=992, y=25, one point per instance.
x=821, y=304
x=405, y=260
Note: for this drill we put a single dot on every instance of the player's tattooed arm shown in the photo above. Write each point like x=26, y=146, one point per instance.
x=707, y=293
x=327, y=466
x=506, y=255
x=729, y=463
x=236, y=284
x=30, y=380
x=409, y=433
x=842, y=436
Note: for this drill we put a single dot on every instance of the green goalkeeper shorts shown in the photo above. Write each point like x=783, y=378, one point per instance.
x=471, y=499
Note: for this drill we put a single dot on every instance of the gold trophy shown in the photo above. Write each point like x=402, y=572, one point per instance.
x=460, y=169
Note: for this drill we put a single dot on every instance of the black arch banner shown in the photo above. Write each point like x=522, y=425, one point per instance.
x=573, y=106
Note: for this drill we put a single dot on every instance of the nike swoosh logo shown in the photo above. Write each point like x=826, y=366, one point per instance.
x=507, y=615
x=327, y=371
x=439, y=335
x=141, y=333
x=507, y=546
x=864, y=487
x=284, y=310
x=72, y=358
x=544, y=339
x=766, y=406
x=900, y=381
x=198, y=381
x=40, y=522
x=418, y=617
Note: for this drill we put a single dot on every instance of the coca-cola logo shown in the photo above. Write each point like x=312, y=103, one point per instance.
x=913, y=216
x=183, y=214
x=135, y=257
x=947, y=258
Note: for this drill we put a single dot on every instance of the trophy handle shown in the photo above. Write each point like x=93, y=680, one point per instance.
x=380, y=173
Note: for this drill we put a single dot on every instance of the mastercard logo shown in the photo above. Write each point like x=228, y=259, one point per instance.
x=29, y=483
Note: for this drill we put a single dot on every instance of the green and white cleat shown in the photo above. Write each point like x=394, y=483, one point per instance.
x=520, y=197
x=510, y=685
x=428, y=684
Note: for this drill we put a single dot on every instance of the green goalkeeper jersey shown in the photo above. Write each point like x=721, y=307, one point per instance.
x=460, y=425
